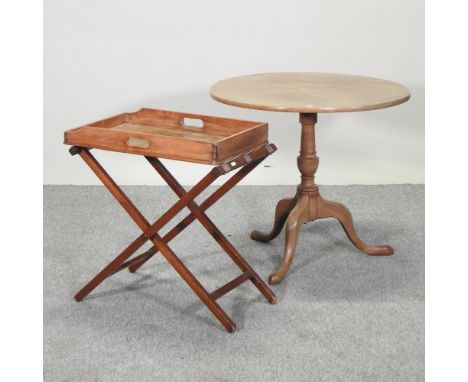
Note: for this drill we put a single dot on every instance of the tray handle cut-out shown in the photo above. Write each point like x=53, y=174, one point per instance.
x=138, y=142
x=194, y=123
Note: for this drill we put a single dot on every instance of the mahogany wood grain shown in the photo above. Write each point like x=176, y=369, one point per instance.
x=166, y=134
x=246, y=162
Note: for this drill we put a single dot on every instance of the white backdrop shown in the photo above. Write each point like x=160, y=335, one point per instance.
x=109, y=56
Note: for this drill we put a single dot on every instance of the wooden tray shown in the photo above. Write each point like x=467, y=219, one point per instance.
x=172, y=135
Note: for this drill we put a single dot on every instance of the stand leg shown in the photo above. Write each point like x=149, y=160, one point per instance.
x=214, y=231
x=150, y=232
x=283, y=208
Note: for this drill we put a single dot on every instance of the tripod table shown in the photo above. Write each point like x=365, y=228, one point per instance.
x=309, y=94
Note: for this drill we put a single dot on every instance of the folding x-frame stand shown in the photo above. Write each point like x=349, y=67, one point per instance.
x=246, y=162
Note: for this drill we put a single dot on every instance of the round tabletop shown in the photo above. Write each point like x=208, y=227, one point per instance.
x=309, y=92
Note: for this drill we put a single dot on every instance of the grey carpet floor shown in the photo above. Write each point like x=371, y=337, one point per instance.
x=341, y=315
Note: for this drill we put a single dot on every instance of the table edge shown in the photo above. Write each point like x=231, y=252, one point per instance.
x=377, y=106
